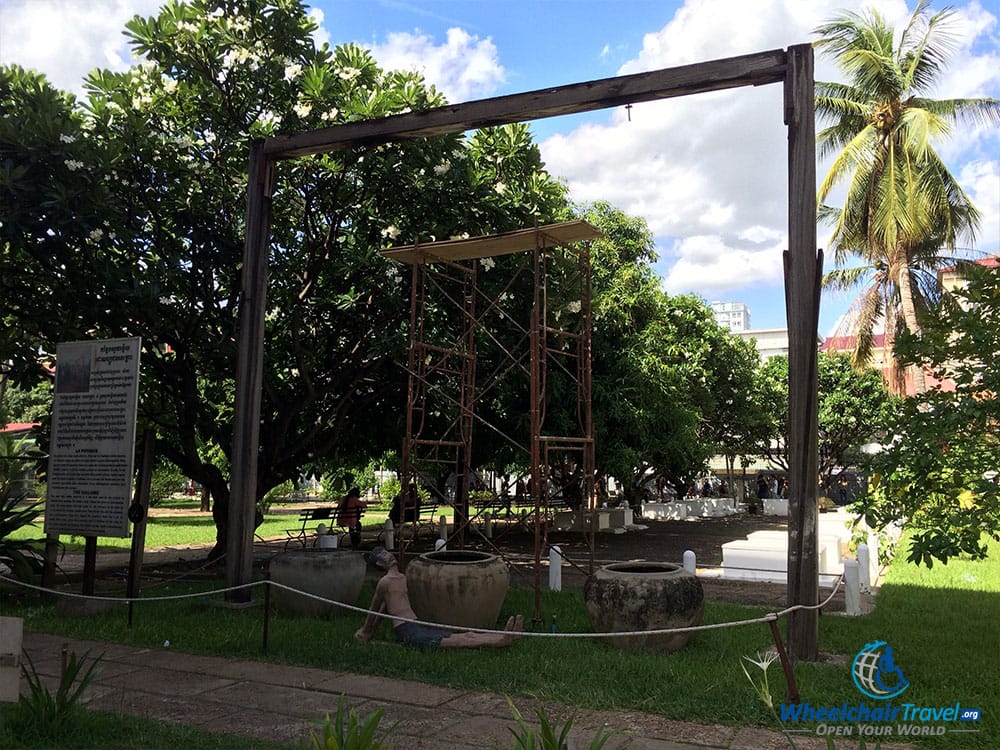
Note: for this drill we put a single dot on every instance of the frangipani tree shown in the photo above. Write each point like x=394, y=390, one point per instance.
x=169, y=142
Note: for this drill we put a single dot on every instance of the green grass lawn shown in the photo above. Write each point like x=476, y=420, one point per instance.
x=194, y=528
x=942, y=625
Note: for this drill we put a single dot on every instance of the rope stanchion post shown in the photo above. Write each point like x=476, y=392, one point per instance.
x=864, y=568
x=267, y=605
x=555, y=568
x=792, y=689
x=852, y=588
x=690, y=561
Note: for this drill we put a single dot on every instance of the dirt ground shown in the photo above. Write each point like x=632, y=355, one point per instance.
x=660, y=541
x=652, y=540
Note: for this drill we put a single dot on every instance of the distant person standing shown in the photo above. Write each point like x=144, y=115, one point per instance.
x=405, y=506
x=763, y=491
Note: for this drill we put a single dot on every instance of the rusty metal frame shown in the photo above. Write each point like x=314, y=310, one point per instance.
x=554, y=341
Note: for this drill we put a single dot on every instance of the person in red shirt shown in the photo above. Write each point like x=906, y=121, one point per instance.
x=349, y=514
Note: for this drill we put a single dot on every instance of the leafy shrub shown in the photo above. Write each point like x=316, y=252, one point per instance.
x=350, y=732
x=526, y=738
x=23, y=556
x=167, y=479
x=284, y=491
x=389, y=489
x=40, y=714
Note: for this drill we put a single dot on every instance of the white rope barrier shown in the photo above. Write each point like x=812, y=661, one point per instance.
x=126, y=599
x=768, y=618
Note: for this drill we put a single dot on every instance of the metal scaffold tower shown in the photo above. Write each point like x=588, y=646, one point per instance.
x=550, y=347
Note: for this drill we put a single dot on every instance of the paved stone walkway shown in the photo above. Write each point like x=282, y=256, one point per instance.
x=280, y=703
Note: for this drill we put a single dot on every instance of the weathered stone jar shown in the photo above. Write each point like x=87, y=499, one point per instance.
x=458, y=587
x=331, y=573
x=634, y=596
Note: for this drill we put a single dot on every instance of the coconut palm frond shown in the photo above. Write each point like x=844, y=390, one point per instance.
x=870, y=308
x=916, y=128
x=854, y=155
x=924, y=59
x=975, y=112
x=845, y=279
x=836, y=91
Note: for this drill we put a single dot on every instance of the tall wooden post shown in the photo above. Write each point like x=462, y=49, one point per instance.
x=137, y=514
x=802, y=269
x=249, y=375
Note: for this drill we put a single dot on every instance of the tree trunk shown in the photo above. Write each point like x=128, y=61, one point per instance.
x=206, y=500
x=909, y=310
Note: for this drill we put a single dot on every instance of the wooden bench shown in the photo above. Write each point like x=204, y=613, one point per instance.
x=310, y=516
x=306, y=517
x=428, y=518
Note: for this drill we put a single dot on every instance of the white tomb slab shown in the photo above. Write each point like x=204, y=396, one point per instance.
x=711, y=507
x=763, y=556
x=620, y=518
x=667, y=511
x=776, y=506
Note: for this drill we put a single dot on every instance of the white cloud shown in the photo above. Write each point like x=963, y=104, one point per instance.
x=718, y=264
x=708, y=172
x=66, y=39
x=981, y=180
x=465, y=67
x=321, y=36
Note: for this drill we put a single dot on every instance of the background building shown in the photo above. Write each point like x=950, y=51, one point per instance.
x=732, y=315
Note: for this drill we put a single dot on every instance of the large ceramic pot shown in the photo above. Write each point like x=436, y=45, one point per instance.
x=458, y=587
x=330, y=573
x=634, y=596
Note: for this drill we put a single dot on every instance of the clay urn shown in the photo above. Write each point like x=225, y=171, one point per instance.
x=636, y=596
x=333, y=574
x=458, y=587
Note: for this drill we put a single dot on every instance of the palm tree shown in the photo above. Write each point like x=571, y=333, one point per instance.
x=903, y=209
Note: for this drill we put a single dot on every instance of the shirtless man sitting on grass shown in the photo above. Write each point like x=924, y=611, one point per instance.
x=392, y=598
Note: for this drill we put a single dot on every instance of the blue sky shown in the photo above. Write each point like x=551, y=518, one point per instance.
x=706, y=172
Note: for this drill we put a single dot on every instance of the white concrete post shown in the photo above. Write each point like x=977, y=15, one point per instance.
x=852, y=588
x=487, y=526
x=327, y=541
x=11, y=635
x=555, y=568
x=864, y=568
x=873, y=554
x=390, y=535
x=443, y=528
x=440, y=544
x=690, y=563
